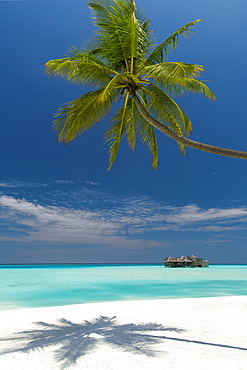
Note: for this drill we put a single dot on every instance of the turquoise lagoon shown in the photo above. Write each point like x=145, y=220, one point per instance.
x=24, y=286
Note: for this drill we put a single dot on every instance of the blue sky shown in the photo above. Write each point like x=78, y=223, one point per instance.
x=58, y=203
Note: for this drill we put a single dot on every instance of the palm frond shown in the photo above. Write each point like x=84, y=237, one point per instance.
x=172, y=69
x=117, y=82
x=122, y=37
x=178, y=131
x=167, y=111
x=146, y=133
x=147, y=136
x=161, y=52
x=192, y=85
x=80, y=68
x=115, y=133
x=131, y=121
x=79, y=115
x=177, y=87
x=178, y=78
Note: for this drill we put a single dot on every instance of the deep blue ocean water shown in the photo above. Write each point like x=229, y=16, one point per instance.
x=55, y=285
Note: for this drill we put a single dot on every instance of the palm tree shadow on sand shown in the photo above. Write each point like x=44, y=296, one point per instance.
x=74, y=340
x=78, y=339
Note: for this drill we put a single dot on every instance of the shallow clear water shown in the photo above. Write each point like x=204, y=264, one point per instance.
x=53, y=285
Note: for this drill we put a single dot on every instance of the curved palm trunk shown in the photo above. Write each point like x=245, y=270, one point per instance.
x=187, y=142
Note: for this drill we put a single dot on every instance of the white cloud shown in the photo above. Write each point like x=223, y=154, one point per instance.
x=193, y=213
x=92, y=183
x=104, y=219
x=156, y=217
x=21, y=184
x=59, y=224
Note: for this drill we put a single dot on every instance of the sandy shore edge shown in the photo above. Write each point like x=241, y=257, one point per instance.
x=204, y=333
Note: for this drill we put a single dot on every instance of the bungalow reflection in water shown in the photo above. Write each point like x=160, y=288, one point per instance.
x=190, y=261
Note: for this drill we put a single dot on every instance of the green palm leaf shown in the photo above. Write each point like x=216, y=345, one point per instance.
x=114, y=134
x=77, y=116
x=167, y=111
x=161, y=52
x=124, y=123
x=172, y=69
x=119, y=26
x=147, y=134
x=131, y=124
x=189, y=84
x=178, y=78
x=81, y=68
x=118, y=82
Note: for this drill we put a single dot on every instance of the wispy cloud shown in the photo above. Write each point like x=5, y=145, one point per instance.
x=91, y=216
x=60, y=224
x=192, y=213
x=21, y=184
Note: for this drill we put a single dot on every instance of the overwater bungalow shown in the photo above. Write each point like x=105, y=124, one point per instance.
x=182, y=261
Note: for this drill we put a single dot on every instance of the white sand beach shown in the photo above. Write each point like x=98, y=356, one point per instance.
x=199, y=333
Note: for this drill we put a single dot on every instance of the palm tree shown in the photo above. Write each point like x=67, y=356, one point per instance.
x=123, y=65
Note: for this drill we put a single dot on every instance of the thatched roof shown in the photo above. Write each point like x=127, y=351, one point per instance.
x=170, y=259
x=179, y=259
x=183, y=259
x=192, y=258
